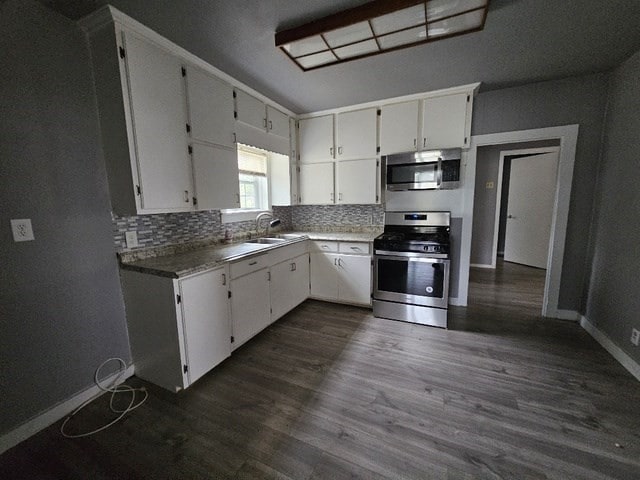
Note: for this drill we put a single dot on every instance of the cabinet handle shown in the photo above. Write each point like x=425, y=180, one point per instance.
x=238, y=198
x=357, y=249
x=339, y=150
x=270, y=125
x=293, y=267
x=332, y=197
x=339, y=262
x=235, y=138
x=268, y=276
x=340, y=197
x=253, y=263
x=224, y=279
x=264, y=122
x=186, y=196
x=324, y=246
x=424, y=142
x=335, y=261
x=331, y=151
x=415, y=143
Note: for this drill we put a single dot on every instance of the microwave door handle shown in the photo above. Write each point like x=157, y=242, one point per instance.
x=439, y=173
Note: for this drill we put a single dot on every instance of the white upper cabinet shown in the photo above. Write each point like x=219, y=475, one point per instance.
x=399, y=127
x=215, y=175
x=356, y=134
x=277, y=122
x=157, y=110
x=357, y=181
x=210, y=102
x=316, y=184
x=446, y=121
x=250, y=110
x=316, y=139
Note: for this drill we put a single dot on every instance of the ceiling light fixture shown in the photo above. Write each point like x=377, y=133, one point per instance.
x=377, y=27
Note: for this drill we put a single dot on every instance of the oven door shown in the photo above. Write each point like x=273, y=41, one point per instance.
x=411, y=278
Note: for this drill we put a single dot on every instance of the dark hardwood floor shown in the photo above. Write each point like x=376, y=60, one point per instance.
x=330, y=392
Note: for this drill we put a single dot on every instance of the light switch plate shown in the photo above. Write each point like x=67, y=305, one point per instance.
x=22, y=230
x=131, y=238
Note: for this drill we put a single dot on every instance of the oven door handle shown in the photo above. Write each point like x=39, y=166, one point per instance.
x=407, y=256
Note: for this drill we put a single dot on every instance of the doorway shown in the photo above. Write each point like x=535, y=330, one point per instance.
x=514, y=197
x=567, y=138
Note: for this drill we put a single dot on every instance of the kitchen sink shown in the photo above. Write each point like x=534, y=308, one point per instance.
x=287, y=236
x=267, y=241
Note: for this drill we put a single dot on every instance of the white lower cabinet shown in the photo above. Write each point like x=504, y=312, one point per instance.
x=179, y=329
x=342, y=277
x=289, y=285
x=250, y=305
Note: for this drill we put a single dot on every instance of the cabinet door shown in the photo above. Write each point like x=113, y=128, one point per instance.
x=280, y=179
x=356, y=134
x=316, y=184
x=205, y=321
x=215, y=174
x=210, y=108
x=277, y=122
x=316, y=139
x=444, y=121
x=289, y=285
x=354, y=279
x=250, y=306
x=357, y=181
x=324, y=276
x=399, y=127
x=251, y=111
x=159, y=123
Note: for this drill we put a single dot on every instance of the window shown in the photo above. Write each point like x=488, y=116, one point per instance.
x=252, y=166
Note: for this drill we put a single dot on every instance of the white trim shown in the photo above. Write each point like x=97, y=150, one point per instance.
x=567, y=315
x=471, y=89
x=456, y=301
x=568, y=135
x=106, y=14
x=482, y=265
x=616, y=352
x=55, y=413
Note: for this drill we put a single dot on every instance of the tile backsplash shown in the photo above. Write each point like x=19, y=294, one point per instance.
x=167, y=229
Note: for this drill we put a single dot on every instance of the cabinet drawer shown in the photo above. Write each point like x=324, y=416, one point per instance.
x=321, y=246
x=286, y=252
x=253, y=264
x=361, y=248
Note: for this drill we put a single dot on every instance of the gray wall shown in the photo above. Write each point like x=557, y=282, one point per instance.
x=485, y=200
x=577, y=100
x=61, y=305
x=614, y=293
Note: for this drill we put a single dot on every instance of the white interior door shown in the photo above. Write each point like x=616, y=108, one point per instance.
x=532, y=185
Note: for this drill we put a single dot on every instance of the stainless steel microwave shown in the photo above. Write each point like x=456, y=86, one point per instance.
x=428, y=170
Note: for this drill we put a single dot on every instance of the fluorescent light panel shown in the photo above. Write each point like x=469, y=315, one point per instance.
x=378, y=27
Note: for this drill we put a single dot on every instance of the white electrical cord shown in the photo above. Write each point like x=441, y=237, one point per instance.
x=114, y=388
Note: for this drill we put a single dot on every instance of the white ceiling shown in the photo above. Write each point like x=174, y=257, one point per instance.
x=523, y=41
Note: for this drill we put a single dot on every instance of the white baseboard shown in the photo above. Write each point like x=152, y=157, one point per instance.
x=566, y=315
x=625, y=360
x=457, y=302
x=51, y=416
x=482, y=265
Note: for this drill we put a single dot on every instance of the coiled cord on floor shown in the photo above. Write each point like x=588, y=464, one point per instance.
x=115, y=388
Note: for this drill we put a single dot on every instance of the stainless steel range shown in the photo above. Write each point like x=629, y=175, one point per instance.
x=411, y=268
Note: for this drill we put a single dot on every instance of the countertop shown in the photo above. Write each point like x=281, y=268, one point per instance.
x=181, y=264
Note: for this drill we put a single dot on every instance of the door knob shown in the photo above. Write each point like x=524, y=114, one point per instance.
x=511, y=216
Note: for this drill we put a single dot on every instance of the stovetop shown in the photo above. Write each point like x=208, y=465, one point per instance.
x=436, y=242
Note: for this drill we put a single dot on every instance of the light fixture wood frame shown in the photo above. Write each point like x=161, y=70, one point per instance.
x=365, y=13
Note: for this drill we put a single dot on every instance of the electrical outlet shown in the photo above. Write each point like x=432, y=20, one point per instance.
x=22, y=230
x=489, y=185
x=132, y=239
x=635, y=336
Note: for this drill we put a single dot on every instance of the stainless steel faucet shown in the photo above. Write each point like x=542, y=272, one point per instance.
x=274, y=222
